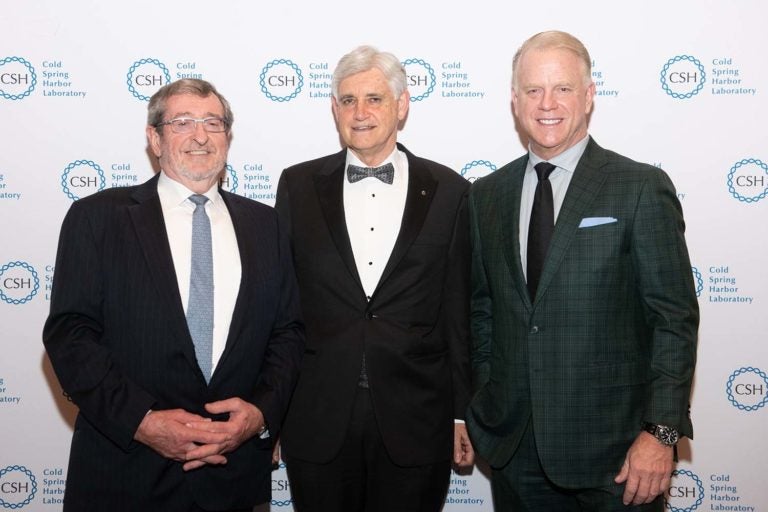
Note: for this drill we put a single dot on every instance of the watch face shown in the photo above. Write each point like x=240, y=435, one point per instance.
x=666, y=435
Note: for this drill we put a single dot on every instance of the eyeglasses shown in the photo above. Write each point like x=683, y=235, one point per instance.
x=189, y=124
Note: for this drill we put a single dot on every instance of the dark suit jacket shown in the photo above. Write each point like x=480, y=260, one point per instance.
x=118, y=340
x=610, y=341
x=414, y=330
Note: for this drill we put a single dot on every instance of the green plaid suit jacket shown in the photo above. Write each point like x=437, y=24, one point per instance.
x=610, y=341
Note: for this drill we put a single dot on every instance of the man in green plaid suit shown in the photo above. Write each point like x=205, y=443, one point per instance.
x=582, y=382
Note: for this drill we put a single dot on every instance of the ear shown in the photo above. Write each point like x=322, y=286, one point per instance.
x=402, y=105
x=590, y=97
x=154, y=140
x=335, y=108
x=514, y=101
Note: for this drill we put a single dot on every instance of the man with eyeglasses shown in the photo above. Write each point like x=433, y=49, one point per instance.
x=175, y=326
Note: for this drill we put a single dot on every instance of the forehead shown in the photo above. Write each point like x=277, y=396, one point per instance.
x=193, y=104
x=550, y=63
x=371, y=81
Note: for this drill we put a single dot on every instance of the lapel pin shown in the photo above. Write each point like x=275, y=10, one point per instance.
x=423, y=192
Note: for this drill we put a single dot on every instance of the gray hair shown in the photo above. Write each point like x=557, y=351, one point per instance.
x=156, y=109
x=554, y=39
x=364, y=58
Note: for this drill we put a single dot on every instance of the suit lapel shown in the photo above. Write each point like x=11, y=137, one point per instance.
x=329, y=184
x=421, y=190
x=509, y=204
x=147, y=218
x=585, y=185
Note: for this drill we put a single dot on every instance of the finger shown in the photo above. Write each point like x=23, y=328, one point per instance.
x=193, y=464
x=211, y=426
x=222, y=406
x=203, y=451
x=643, y=491
x=630, y=490
x=623, y=474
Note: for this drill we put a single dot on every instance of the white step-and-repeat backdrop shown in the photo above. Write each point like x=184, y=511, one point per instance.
x=680, y=84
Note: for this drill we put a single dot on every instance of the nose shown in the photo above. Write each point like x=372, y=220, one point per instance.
x=548, y=101
x=200, y=135
x=361, y=110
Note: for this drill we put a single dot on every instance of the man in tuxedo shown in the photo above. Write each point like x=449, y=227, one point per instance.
x=381, y=248
x=175, y=326
x=584, y=314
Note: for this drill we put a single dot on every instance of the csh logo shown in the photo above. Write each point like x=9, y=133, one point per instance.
x=747, y=389
x=748, y=180
x=82, y=178
x=686, y=492
x=281, y=488
x=281, y=80
x=19, y=282
x=17, y=78
x=229, y=180
x=698, y=281
x=683, y=77
x=18, y=487
x=477, y=169
x=420, y=78
x=145, y=77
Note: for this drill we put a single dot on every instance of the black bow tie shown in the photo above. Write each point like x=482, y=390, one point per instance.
x=385, y=173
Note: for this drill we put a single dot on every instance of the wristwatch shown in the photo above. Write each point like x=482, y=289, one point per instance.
x=667, y=436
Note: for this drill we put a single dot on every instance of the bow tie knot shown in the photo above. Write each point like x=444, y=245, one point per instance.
x=385, y=173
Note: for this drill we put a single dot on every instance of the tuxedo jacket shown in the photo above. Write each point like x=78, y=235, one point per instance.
x=414, y=330
x=609, y=342
x=118, y=340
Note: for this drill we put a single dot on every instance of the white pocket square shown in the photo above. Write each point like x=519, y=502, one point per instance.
x=588, y=222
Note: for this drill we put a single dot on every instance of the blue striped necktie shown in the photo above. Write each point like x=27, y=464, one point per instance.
x=200, y=305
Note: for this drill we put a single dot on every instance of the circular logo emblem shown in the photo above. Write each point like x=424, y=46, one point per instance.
x=281, y=80
x=683, y=77
x=229, y=180
x=84, y=177
x=420, y=78
x=686, y=492
x=281, y=489
x=748, y=180
x=698, y=280
x=747, y=389
x=19, y=282
x=18, y=487
x=477, y=169
x=147, y=75
x=16, y=75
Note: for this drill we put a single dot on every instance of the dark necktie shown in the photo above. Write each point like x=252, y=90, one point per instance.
x=385, y=173
x=200, y=305
x=541, y=227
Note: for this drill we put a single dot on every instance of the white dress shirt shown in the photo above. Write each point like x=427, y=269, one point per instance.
x=177, y=212
x=560, y=178
x=374, y=212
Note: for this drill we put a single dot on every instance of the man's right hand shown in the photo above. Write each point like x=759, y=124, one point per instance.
x=167, y=432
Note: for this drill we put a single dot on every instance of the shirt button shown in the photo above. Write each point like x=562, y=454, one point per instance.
x=535, y=329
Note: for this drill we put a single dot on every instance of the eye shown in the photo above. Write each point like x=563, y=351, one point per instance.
x=214, y=122
x=347, y=101
x=374, y=100
x=182, y=122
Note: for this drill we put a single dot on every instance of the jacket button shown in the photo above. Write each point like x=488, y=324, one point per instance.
x=368, y=315
x=535, y=329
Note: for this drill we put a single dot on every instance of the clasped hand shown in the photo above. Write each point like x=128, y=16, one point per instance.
x=196, y=441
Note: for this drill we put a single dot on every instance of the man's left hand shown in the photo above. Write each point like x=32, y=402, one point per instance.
x=463, y=453
x=245, y=421
x=647, y=470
